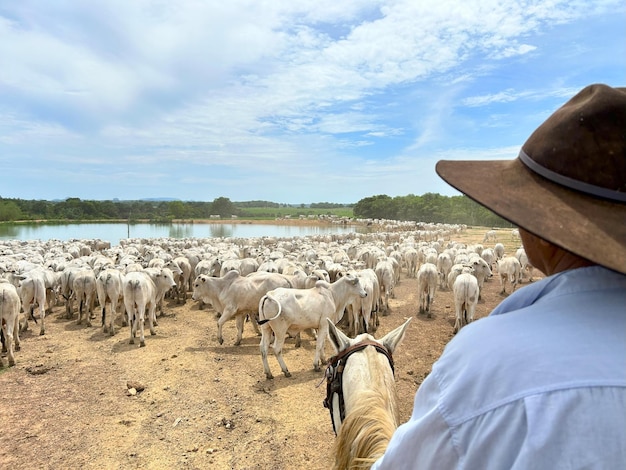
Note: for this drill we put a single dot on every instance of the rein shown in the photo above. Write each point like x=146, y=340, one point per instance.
x=334, y=375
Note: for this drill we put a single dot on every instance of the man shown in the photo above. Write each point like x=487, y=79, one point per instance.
x=541, y=382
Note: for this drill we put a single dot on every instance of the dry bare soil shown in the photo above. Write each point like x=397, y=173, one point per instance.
x=67, y=404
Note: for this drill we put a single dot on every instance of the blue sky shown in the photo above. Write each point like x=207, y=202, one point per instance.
x=291, y=101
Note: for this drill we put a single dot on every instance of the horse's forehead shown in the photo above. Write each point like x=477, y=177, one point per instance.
x=366, y=369
x=362, y=337
x=369, y=359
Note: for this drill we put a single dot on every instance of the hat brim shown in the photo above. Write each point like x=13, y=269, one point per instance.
x=590, y=227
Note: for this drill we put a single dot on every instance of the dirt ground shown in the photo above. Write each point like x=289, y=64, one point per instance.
x=67, y=403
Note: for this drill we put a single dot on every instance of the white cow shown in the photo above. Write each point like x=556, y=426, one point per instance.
x=289, y=311
x=235, y=296
x=182, y=277
x=384, y=270
x=411, y=259
x=139, y=296
x=509, y=269
x=482, y=271
x=67, y=288
x=498, y=250
x=32, y=291
x=363, y=311
x=456, y=270
x=84, y=287
x=163, y=279
x=109, y=288
x=10, y=306
x=444, y=265
x=465, y=291
x=525, y=265
x=489, y=256
x=427, y=280
x=490, y=235
x=248, y=266
x=204, y=266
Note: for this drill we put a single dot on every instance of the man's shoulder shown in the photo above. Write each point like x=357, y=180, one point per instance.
x=534, y=349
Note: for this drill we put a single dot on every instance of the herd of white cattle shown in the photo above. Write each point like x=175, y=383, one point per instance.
x=284, y=286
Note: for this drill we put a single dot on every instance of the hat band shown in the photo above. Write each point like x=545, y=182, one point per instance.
x=571, y=183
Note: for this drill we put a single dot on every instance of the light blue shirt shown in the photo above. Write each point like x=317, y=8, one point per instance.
x=539, y=384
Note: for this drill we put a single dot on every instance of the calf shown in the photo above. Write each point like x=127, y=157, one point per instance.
x=289, y=311
x=465, y=291
x=235, y=296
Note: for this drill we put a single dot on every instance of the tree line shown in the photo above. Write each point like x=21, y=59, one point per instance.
x=430, y=207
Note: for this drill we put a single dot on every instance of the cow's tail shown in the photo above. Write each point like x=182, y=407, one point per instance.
x=264, y=299
x=466, y=288
x=38, y=286
x=134, y=284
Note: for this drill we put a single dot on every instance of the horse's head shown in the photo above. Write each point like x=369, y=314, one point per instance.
x=361, y=364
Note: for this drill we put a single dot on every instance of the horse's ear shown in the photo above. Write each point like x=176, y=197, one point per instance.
x=337, y=337
x=392, y=339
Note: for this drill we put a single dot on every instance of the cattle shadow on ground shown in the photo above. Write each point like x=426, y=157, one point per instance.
x=98, y=335
x=422, y=317
x=72, y=325
x=29, y=333
x=123, y=345
x=241, y=350
x=298, y=377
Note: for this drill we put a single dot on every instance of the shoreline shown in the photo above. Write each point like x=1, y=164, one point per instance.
x=293, y=222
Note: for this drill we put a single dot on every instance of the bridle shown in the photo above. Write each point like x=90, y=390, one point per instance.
x=334, y=375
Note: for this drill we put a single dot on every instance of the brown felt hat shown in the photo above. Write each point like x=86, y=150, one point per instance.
x=568, y=184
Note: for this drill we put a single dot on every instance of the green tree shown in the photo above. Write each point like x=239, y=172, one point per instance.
x=223, y=207
x=9, y=210
x=177, y=209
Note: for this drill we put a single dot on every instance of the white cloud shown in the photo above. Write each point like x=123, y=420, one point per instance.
x=303, y=91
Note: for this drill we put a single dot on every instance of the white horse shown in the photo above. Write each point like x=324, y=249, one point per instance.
x=361, y=395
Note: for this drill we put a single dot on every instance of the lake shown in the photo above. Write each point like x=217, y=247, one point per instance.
x=114, y=232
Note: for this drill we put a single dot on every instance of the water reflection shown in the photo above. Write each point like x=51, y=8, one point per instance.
x=180, y=230
x=221, y=230
x=114, y=232
x=8, y=232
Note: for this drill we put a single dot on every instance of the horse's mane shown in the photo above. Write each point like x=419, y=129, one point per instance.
x=366, y=431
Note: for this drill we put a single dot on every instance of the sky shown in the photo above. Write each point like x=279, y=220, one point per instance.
x=289, y=101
